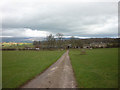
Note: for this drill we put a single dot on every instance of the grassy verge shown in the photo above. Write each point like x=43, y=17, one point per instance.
x=20, y=66
x=97, y=69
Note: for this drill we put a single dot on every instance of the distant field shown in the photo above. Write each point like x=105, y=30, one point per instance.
x=16, y=45
x=97, y=69
x=20, y=66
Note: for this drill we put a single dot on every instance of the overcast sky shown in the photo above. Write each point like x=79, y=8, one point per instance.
x=39, y=18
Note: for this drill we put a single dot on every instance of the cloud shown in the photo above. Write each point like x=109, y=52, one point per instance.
x=108, y=27
x=72, y=18
x=35, y=33
x=24, y=32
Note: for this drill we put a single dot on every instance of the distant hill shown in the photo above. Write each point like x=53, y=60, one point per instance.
x=16, y=39
x=25, y=39
x=31, y=39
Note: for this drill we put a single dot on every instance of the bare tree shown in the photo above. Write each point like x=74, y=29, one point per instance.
x=60, y=40
x=60, y=36
x=50, y=41
x=73, y=41
x=37, y=44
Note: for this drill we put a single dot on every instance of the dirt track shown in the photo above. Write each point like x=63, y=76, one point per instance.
x=58, y=75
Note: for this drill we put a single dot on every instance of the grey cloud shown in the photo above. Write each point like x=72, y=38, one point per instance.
x=68, y=18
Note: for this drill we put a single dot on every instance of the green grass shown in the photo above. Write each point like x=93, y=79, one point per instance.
x=97, y=69
x=21, y=66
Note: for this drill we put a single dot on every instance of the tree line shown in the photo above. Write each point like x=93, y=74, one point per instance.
x=59, y=42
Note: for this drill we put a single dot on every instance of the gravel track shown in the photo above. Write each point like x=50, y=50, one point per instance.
x=58, y=75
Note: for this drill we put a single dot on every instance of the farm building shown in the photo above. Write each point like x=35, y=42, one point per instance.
x=95, y=45
x=98, y=45
x=86, y=46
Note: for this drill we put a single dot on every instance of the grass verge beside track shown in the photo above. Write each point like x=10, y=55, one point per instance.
x=97, y=69
x=21, y=66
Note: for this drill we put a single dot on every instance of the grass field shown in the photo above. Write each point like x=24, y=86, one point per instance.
x=16, y=45
x=21, y=66
x=97, y=69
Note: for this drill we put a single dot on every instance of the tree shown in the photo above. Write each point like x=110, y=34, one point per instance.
x=60, y=36
x=37, y=44
x=72, y=41
x=60, y=40
x=34, y=42
x=50, y=41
